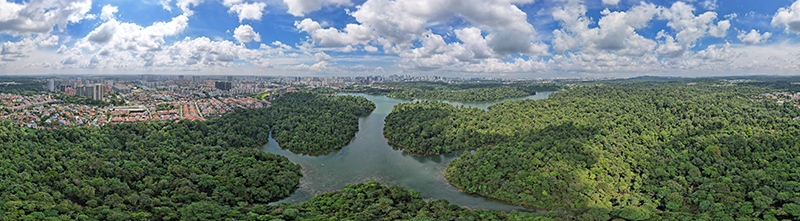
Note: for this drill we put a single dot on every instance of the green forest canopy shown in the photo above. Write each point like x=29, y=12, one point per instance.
x=470, y=92
x=695, y=152
x=374, y=201
x=158, y=170
x=311, y=123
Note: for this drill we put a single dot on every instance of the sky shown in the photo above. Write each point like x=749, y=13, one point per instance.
x=456, y=38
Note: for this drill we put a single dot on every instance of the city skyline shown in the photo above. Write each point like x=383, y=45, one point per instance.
x=496, y=39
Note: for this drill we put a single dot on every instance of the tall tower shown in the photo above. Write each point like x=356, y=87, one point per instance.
x=97, y=91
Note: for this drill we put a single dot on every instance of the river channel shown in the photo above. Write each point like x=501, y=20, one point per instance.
x=370, y=157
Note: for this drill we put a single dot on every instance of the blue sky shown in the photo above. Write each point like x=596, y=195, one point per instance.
x=493, y=38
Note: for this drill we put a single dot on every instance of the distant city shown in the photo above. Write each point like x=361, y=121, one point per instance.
x=175, y=97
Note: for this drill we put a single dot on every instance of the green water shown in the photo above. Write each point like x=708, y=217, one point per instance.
x=370, y=157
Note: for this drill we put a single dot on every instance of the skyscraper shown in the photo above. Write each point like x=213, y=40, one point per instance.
x=98, y=91
x=223, y=85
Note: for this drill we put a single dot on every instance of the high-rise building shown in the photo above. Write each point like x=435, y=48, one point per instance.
x=223, y=85
x=98, y=91
x=230, y=78
x=51, y=85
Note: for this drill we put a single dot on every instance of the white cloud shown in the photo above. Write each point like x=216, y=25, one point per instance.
x=753, y=37
x=61, y=50
x=165, y=4
x=611, y=2
x=40, y=16
x=245, y=33
x=397, y=24
x=670, y=48
x=185, y=4
x=370, y=49
x=788, y=17
x=14, y=51
x=252, y=11
x=731, y=16
x=616, y=31
x=321, y=56
x=331, y=37
x=347, y=49
x=709, y=5
x=691, y=28
x=129, y=36
x=301, y=7
x=108, y=12
x=713, y=53
x=475, y=44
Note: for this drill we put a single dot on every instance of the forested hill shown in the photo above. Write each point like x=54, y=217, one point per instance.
x=469, y=92
x=639, y=150
x=311, y=123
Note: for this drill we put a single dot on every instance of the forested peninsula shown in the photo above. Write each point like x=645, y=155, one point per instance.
x=308, y=122
x=468, y=92
x=636, y=151
x=167, y=171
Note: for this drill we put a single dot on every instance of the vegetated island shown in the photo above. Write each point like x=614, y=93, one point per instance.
x=467, y=92
x=634, y=151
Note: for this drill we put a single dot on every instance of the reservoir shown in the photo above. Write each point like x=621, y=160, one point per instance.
x=370, y=157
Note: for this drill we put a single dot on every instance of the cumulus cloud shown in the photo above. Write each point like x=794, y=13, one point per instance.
x=709, y=4
x=753, y=37
x=714, y=53
x=185, y=4
x=690, y=28
x=611, y=2
x=252, y=11
x=129, y=36
x=616, y=31
x=40, y=16
x=245, y=33
x=301, y=7
x=13, y=51
x=331, y=37
x=788, y=17
x=370, y=48
x=107, y=13
x=321, y=56
x=497, y=29
x=400, y=22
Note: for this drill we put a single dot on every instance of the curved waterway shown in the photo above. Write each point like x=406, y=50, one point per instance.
x=370, y=157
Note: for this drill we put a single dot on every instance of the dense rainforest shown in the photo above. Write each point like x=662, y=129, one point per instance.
x=20, y=85
x=309, y=123
x=374, y=201
x=634, y=151
x=166, y=171
x=155, y=171
x=469, y=92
